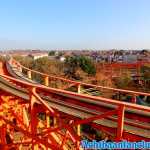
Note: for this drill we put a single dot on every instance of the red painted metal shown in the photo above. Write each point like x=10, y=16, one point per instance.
x=109, y=69
x=121, y=111
x=39, y=133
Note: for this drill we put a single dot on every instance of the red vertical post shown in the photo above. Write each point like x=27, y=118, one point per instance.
x=46, y=81
x=121, y=110
x=34, y=120
x=79, y=134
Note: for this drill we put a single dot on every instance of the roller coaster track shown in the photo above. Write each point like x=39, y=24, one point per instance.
x=23, y=100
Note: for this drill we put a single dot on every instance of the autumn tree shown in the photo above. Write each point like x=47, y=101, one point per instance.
x=2, y=58
x=124, y=80
x=25, y=61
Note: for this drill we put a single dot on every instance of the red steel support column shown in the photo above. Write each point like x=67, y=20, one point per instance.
x=121, y=110
x=34, y=120
x=47, y=125
x=79, y=134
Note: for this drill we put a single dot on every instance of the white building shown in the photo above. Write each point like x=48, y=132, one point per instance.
x=38, y=55
x=62, y=58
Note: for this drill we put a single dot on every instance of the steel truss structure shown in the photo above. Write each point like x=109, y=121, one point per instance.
x=40, y=117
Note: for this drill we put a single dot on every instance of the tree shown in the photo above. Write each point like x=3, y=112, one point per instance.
x=51, y=53
x=71, y=64
x=124, y=81
x=2, y=58
x=46, y=65
x=25, y=61
x=79, y=62
x=87, y=65
x=102, y=79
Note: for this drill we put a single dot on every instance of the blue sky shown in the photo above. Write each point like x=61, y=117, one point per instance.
x=74, y=24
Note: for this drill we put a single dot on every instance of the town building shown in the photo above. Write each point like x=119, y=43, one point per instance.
x=38, y=55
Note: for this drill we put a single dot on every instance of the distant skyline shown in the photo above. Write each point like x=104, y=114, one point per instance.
x=75, y=24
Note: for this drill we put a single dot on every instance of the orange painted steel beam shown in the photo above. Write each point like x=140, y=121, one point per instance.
x=91, y=98
x=70, y=134
x=28, y=134
x=84, y=121
x=121, y=111
x=109, y=101
x=85, y=84
x=32, y=134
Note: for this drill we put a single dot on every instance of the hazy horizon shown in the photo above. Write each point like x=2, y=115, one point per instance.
x=80, y=24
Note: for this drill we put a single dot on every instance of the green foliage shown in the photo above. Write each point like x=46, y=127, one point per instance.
x=51, y=53
x=71, y=66
x=85, y=63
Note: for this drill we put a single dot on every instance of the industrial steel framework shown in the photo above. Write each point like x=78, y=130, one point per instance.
x=31, y=116
x=121, y=66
